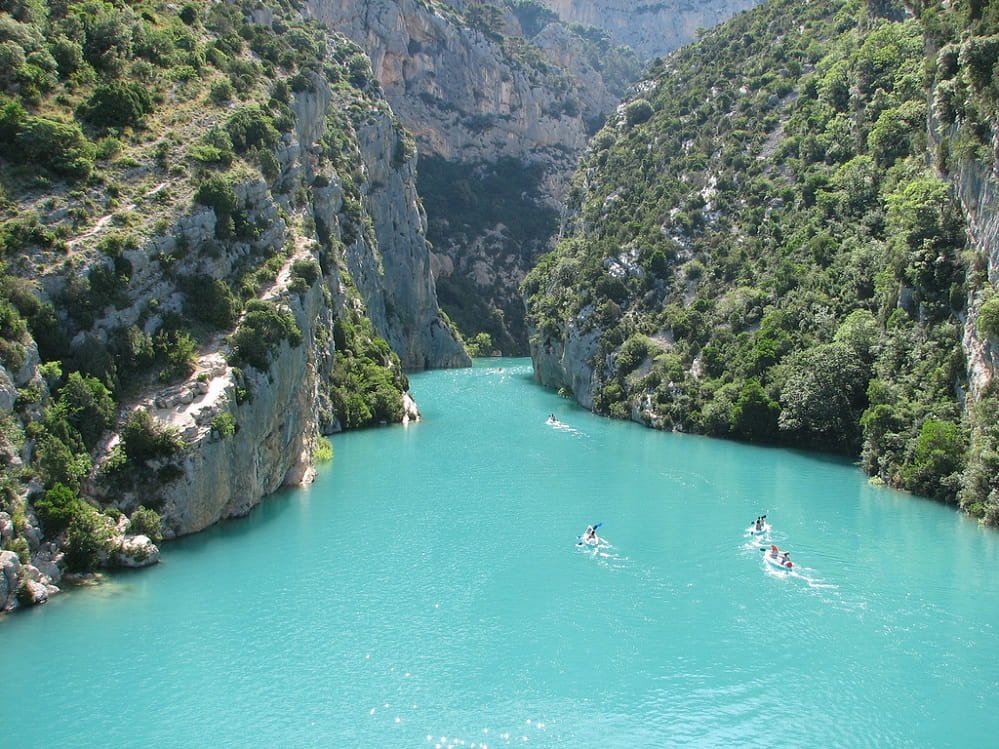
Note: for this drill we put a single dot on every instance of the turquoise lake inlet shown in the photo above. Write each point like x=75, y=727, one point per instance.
x=428, y=591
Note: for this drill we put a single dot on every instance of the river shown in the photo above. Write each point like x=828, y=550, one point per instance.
x=428, y=591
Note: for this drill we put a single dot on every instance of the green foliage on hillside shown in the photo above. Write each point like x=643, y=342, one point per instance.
x=367, y=383
x=118, y=121
x=264, y=326
x=764, y=216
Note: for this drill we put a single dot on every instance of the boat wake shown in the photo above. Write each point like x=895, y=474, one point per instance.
x=563, y=427
x=603, y=554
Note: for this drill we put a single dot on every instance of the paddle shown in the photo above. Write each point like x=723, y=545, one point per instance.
x=580, y=542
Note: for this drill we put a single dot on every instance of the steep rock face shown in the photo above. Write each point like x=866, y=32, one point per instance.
x=225, y=477
x=650, y=27
x=454, y=86
x=500, y=113
x=402, y=299
x=563, y=361
x=977, y=190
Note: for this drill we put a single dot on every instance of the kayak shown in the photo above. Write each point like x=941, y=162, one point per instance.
x=595, y=541
x=762, y=531
x=776, y=559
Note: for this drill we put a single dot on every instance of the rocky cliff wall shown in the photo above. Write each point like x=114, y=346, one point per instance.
x=650, y=27
x=976, y=188
x=223, y=477
x=489, y=101
x=455, y=86
x=322, y=227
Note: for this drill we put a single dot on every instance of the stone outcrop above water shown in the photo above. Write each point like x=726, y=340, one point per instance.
x=137, y=551
x=562, y=361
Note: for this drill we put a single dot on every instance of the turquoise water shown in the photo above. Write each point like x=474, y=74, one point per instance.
x=427, y=590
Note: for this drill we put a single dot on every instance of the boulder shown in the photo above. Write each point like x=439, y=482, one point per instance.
x=47, y=560
x=32, y=593
x=10, y=567
x=137, y=551
x=6, y=528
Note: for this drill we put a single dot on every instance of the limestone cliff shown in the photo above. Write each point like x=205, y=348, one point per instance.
x=650, y=27
x=501, y=98
x=181, y=330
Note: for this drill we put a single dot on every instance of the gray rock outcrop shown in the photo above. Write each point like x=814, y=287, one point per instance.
x=137, y=551
x=10, y=569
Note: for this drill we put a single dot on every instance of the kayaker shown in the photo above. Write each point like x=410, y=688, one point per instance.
x=590, y=534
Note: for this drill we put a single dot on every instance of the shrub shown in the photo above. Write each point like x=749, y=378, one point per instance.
x=57, y=146
x=221, y=92
x=988, y=318
x=306, y=270
x=210, y=300
x=322, y=450
x=146, y=439
x=89, y=538
x=263, y=327
x=251, y=127
x=177, y=350
x=89, y=406
x=480, y=345
x=224, y=425
x=57, y=508
x=637, y=112
x=58, y=462
x=12, y=117
x=145, y=522
x=117, y=104
x=216, y=192
x=68, y=55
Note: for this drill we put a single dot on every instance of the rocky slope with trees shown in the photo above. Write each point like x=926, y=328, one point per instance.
x=787, y=235
x=213, y=254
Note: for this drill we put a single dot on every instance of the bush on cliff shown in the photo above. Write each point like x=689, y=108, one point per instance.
x=56, y=508
x=262, y=329
x=145, y=439
x=146, y=522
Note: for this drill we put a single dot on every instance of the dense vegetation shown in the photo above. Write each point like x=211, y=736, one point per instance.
x=766, y=252
x=116, y=119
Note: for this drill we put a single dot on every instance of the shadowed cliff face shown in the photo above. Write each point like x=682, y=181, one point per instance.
x=501, y=102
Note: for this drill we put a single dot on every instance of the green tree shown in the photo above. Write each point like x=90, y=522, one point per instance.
x=823, y=397
x=56, y=509
x=937, y=458
x=89, y=406
x=754, y=415
x=88, y=540
x=117, y=104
